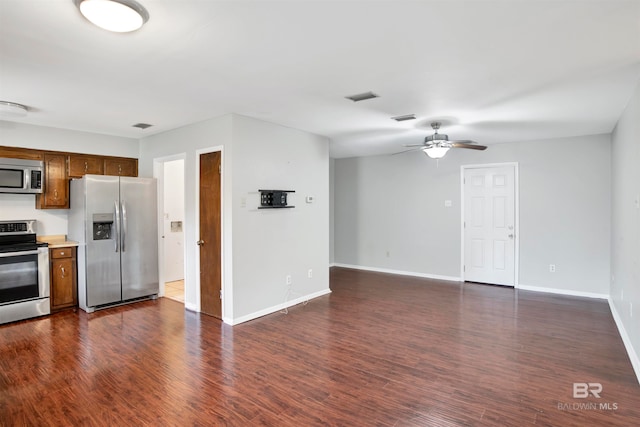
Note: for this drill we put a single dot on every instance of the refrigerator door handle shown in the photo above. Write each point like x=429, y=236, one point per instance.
x=116, y=214
x=124, y=226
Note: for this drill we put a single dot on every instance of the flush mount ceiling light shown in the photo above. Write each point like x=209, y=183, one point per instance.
x=12, y=110
x=119, y=16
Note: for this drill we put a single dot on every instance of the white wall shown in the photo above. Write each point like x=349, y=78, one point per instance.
x=188, y=140
x=625, y=227
x=395, y=205
x=259, y=247
x=22, y=206
x=332, y=210
x=269, y=244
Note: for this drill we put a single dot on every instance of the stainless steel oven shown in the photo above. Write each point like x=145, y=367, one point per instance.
x=24, y=272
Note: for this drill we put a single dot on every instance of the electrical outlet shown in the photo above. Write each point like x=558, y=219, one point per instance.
x=388, y=254
x=552, y=268
x=310, y=273
x=288, y=279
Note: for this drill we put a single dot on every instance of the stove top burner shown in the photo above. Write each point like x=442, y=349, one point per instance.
x=18, y=236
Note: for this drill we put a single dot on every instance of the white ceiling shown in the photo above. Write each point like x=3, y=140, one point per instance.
x=491, y=71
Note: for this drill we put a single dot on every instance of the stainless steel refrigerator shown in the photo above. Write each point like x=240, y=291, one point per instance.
x=114, y=219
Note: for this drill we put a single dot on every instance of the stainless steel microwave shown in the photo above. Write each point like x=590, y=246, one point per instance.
x=20, y=176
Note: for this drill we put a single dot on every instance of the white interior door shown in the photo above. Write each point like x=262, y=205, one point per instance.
x=489, y=225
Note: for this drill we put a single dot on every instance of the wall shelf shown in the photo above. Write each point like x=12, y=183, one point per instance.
x=274, y=199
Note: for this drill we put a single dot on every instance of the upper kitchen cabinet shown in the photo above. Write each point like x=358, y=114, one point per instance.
x=55, y=194
x=80, y=165
x=121, y=167
x=20, y=153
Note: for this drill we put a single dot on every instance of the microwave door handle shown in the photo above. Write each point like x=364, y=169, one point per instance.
x=116, y=215
x=124, y=226
x=27, y=179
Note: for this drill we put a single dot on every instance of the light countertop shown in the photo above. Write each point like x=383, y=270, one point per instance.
x=57, y=241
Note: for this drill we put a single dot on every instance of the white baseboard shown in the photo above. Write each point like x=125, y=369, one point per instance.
x=191, y=307
x=277, y=307
x=402, y=273
x=563, y=292
x=633, y=356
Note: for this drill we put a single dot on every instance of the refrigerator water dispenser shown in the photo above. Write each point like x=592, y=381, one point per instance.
x=102, y=224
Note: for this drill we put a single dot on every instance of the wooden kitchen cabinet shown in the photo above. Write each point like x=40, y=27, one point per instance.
x=20, y=153
x=55, y=194
x=121, y=167
x=80, y=165
x=64, y=278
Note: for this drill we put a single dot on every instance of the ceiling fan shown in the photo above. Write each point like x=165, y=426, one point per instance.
x=437, y=145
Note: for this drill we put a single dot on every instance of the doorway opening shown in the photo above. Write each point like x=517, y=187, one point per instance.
x=171, y=207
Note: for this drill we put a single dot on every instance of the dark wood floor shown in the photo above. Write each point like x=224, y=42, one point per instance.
x=381, y=350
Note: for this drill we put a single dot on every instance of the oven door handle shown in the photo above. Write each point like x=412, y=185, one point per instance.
x=10, y=254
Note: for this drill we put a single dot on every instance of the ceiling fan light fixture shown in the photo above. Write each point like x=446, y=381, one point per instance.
x=435, y=151
x=119, y=16
x=12, y=110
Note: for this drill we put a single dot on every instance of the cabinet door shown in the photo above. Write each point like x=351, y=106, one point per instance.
x=82, y=165
x=55, y=194
x=63, y=283
x=121, y=167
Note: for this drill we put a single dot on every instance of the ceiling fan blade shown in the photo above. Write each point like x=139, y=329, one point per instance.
x=415, y=145
x=463, y=141
x=459, y=144
x=407, y=151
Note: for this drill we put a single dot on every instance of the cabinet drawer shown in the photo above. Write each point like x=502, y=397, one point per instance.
x=62, y=252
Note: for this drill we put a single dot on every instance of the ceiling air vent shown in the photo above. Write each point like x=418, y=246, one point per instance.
x=405, y=117
x=142, y=125
x=362, y=96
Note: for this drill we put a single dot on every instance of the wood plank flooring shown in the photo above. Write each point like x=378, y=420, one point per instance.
x=380, y=350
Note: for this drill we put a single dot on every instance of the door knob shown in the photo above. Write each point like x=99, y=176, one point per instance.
x=511, y=236
x=200, y=242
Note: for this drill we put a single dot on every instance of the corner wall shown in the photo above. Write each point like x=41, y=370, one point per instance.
x=187, y=141
x=260, y=247
x=625, y=228
x=390, y=212
x=271, y=244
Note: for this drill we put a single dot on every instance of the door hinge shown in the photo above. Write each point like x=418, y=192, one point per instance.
x=220, y=169
x=464, y=268
x=220, y=293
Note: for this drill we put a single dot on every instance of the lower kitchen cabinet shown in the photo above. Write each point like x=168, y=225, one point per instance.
x=64, y=278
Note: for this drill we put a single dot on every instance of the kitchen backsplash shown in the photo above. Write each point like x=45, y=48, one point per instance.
x=23, y=206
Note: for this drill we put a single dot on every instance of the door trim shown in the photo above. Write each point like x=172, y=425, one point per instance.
x=158, y=173
x=226, y=290
x=516, y=214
